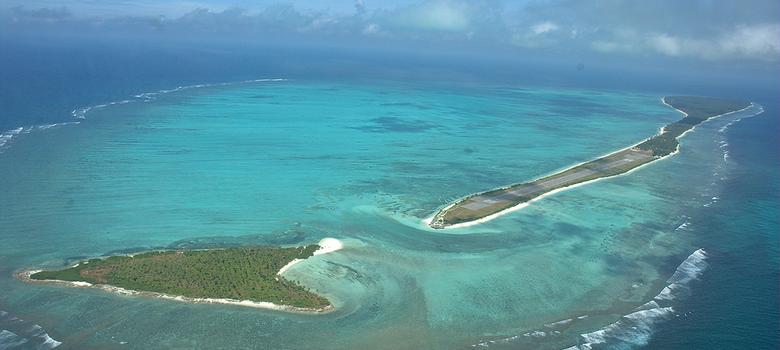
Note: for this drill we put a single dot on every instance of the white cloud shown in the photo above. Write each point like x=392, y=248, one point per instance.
x=371, y=29
x=446, y=16
x=665, y=44
x=760, y=41
x=319, y=23
x=756, y=42
x=360, y=6
x=543, y=34
x=661, y=28
x=544, y=27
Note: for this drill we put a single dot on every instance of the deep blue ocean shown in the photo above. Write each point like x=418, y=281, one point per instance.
x=362, y=147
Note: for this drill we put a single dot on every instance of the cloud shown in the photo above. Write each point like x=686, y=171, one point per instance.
x=360, y=7
x=45, y=13
x=695, y=29
x=371, y=29
x=666, y=44
x=762, y=41
x=475, y=21
x=445, y=16
x=544, y=27
x=754, y=42
x=542, y=34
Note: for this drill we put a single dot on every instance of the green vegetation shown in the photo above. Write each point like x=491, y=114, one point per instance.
x=234, y=273
x=698, y=109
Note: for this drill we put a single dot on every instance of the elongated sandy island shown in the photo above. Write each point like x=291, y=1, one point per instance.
x=481, y=207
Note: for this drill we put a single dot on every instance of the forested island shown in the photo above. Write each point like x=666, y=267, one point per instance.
x=236, y=275
x=486, y=205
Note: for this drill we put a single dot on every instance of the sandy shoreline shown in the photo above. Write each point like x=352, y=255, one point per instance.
x=288, y=266
x=327, y=245
x=429, y=220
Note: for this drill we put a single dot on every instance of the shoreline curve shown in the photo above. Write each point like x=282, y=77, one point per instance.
x=328, y=245
x=429, y=220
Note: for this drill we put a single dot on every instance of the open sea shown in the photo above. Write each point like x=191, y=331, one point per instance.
x=680, y=254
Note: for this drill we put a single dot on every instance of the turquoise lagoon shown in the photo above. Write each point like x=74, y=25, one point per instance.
x=291, y=162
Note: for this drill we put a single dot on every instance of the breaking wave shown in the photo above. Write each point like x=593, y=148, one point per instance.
x=636, y=328
x=631, y=330
x=758, y=110
x=81, y=113
x=754, y=110
x=710, y=195
x=16, y=333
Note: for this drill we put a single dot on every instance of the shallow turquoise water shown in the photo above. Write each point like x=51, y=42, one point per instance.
x=291, y=162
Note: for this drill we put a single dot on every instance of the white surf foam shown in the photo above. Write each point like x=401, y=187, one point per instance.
x=682, y=226
x=15, y=332
x=428, y=221
x=759, y=110
x=632, y=330
x=723, y=144
x=689, y=270
x=81, y=113
x=636, y=328
x=559, y=323
x=11, y=340
x=327, y=245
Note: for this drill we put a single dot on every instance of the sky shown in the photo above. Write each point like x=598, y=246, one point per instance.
x=719, y=34
x=81, y=52
x=701, y=29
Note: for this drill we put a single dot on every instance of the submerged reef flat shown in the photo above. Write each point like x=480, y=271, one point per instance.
x=484, y=206
x=250, y=276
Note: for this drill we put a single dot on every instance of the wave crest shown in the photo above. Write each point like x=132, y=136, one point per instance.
x=81, y=113
x=16, y=333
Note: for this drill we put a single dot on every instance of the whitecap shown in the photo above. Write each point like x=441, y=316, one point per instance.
x=682, y=226
x=535, y=334
x=690, y=268
x=559, y=323
x=636, y=328
x=81, y=113
x=652, y=304
x=17, y=331
x=633, y=329
x=11, y=340
x=9, y=135
x=328, y=245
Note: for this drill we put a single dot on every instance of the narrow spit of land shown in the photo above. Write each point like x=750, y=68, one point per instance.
x=482, y=206
x=246, y=276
